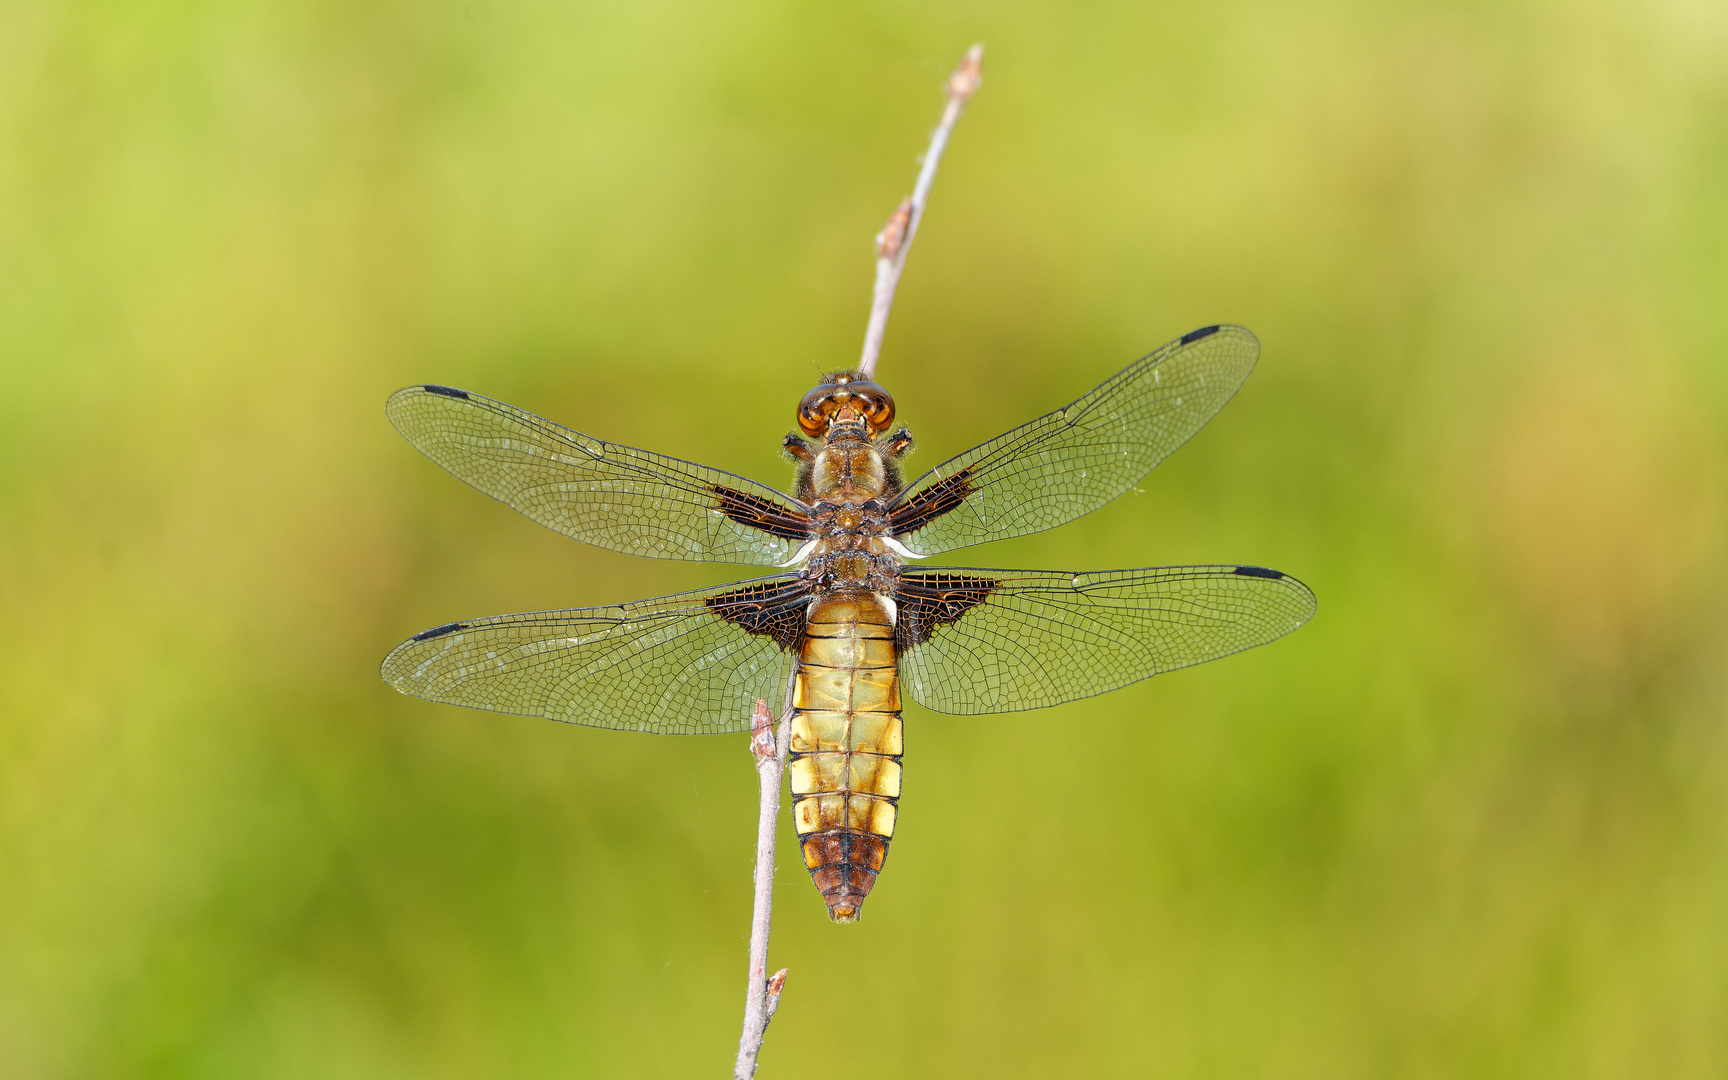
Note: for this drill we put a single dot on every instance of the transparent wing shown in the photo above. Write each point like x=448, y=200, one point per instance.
x=1074, y=460
x=990, y=641
x=692, y=663
x=598, y=492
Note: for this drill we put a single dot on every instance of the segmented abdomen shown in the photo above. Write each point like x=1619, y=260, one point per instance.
x=846, y=745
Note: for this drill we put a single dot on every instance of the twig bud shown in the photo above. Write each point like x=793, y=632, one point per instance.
x=893, y=235
x=761, y=732
x=776, y=984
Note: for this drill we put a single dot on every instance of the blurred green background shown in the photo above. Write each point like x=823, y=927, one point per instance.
x=1470, y=822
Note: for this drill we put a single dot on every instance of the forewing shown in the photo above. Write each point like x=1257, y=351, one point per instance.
x=692, y=663
x=1074, y=460
x=601, y=493
x=991, y=641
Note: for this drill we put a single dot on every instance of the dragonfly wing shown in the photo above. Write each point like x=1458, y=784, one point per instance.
x=692, y=663
x=1074, y=460
x=601, y=493
x=991, y=641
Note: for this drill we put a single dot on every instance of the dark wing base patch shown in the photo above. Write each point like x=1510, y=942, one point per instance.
x=929, y=601
x=773, y=610
x=760, y=513
x=931, y=503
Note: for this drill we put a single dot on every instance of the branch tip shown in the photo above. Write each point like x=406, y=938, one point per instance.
x=895, y=239
x=968, y=76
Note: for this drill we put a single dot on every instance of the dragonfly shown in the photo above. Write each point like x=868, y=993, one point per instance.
x=853, y=620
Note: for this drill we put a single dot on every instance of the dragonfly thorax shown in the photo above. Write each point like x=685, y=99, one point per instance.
x=852, y=546
x=848, y=469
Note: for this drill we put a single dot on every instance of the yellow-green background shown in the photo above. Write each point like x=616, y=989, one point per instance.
x=1470, y=822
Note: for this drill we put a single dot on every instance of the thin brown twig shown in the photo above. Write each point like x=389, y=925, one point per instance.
x=895, y=239
x=768, y=744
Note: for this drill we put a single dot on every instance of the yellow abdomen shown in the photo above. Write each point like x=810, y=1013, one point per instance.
x=846, y=745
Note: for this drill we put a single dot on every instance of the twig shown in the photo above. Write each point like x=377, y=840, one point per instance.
x=762, y=996
x=768, y=745
x=895, y=239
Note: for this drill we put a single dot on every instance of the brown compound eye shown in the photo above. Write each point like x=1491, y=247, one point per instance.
x=849, y=392
x=813, y=411
x=874, y=402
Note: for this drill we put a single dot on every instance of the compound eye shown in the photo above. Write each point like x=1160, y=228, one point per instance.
x=813, y=411
x=875, y=403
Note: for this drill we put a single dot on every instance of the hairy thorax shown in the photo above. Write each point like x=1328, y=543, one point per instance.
x=849, y=487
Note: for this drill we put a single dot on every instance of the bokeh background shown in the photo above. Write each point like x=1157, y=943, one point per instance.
x=1469, y=822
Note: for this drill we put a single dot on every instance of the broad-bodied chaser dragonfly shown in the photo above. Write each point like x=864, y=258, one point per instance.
x=851, y=617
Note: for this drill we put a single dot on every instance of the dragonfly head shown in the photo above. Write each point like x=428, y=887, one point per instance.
x=845, y=397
